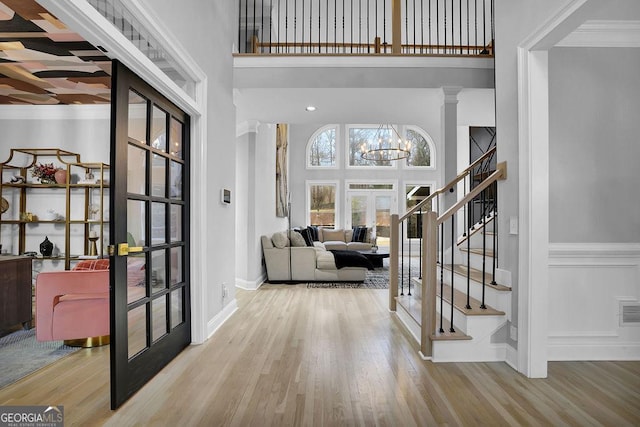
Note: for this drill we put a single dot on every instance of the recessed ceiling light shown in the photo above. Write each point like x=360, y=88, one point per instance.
x=310, y=108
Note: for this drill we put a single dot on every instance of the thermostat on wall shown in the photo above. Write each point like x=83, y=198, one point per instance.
x=225, y=196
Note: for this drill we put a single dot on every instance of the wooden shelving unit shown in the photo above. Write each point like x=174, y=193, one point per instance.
x=84, y=197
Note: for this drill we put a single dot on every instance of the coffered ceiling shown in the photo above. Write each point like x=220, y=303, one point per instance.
x=43, y=62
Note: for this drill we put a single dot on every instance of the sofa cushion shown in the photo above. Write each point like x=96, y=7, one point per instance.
x=313, y=230
x=333, y=235
x=358, y=246
x=335, y=245
x=296, y=239
x=280, y=240
x=325, y=261
x=306, y=235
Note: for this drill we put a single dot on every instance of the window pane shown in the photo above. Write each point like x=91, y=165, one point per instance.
x=420, y=154
x=323, y=204
x=177, y=312
x=361, y=138
x=136, y=330
x=414, y=195
x=136, y=167
x=322, y=151
x=158, y=176
x=359, y=211
x=159, y=317
x=159, y=129
x=137, y=127
x=176, y=138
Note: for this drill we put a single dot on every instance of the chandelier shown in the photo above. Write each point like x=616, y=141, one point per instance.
x=386, y=145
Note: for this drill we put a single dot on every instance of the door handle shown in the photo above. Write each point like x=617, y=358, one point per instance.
x=124, y=249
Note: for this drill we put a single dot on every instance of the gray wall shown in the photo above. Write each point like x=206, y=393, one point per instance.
x=594, y=147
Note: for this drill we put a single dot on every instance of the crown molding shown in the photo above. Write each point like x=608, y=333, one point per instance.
x=56, y=112
x=600, y=33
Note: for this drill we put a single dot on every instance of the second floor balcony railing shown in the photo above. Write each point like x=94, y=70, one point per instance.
x=366, y=27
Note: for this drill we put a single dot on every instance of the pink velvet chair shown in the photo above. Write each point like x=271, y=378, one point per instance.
x=73, y=306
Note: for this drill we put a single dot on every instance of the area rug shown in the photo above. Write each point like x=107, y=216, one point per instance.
x=21, y=354
x=375, y=279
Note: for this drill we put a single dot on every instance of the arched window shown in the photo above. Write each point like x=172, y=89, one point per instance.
x=321, y=149
x=422, y=148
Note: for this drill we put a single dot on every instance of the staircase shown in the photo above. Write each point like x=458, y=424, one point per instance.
x=458, y=310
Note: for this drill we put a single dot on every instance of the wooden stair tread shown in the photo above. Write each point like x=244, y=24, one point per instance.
x=413, y=306
x=447, y=335
x=460, y=300
x=478, y=251
x=476, y=275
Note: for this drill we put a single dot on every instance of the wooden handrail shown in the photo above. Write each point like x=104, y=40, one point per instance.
x=446, y=188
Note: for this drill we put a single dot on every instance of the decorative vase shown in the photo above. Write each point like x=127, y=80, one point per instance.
x=46, y=247
x=61, y=176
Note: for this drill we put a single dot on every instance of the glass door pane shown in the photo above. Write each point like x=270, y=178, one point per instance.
x=383, y=205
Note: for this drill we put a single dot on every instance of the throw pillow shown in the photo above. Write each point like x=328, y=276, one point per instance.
x=359, y=234
x=333, y=235
x=280, y=240
x=313, y=230
x=306, y=235
x=296, y=239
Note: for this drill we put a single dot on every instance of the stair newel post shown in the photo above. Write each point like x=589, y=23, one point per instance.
x=464, y=192
x=495, y=232
x=429, y=281
x=401, y=264
x=420, y=237
x=393, y=262
x=468, y=306
x=484, y=248
x=453, y=237
x=441, y=276
x=409, y=268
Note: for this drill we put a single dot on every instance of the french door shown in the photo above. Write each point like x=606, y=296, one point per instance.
x=150, y=308
x=371, y=209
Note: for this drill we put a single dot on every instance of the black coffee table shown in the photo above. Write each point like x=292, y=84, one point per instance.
x=375, y=257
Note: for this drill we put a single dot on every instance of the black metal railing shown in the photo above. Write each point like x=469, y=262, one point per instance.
x=442, y=245
x=363, y=27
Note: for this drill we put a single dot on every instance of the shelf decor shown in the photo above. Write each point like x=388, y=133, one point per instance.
x=45, y=172
x=59, y=204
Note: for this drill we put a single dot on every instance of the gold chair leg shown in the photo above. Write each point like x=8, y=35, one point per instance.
x=89, y=342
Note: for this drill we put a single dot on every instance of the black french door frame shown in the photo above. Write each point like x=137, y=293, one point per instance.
x=171, y=297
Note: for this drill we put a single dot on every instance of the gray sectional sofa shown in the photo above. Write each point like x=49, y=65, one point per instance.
x=287, y=258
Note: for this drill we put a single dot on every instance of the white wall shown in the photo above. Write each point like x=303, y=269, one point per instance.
x=207, y=30
x=256, y=195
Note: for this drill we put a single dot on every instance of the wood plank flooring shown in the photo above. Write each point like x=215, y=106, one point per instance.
x=330, y=357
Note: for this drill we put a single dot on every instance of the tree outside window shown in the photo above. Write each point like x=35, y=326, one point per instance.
x=420, y=153
x=322, y=204
x=322, y=151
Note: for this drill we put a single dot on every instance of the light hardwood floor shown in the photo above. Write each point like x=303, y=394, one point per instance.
x=297, y=356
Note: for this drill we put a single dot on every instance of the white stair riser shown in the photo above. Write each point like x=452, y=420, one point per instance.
x=476, y=241
x=476, y=261
x=500, y=300
x=474, y=326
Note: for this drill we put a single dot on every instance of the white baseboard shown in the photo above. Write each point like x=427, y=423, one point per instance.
x=221, y=318
x=594, y=351
x=511, y=358
x=250, y=285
